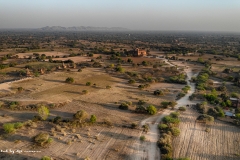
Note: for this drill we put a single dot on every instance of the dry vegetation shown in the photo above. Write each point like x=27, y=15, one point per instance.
x=216, y=141
x=99, y=74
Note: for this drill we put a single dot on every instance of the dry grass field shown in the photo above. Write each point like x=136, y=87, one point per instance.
x=221, y=143
x=113, y=142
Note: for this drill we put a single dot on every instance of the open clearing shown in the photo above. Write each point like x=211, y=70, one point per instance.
x=112, y=143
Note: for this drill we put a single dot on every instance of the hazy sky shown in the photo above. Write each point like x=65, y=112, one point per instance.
x=199, y=15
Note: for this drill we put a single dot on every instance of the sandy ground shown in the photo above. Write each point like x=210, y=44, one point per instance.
x=221, y=143
x=114, y=143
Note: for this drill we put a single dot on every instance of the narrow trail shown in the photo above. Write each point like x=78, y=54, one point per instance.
x=149, y=150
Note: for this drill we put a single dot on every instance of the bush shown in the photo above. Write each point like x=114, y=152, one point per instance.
x=182, y=108
x=234, y=95
x=120, y=69
x=93, y=119
x=151, y=109
x=18, y=125
x=9, y=127
x=43, y=112
x=169, y=120
x=123, y=106
x=142, y=138
x=108, y=87
x=20, y=89
x=46, y=158
x=175, y=131
x=131, y=81
x=85, y=92
x=69, y=80
x=172, y=104
x=141, y=102
x=158, y=93
x=164, y=104
x=162, y=126
x=133, y=125
x=80, y=115
x=186, y=89
x=42, y=139
x=175, y=114
x=205, y=118
x=57, y=119
x=88, y=84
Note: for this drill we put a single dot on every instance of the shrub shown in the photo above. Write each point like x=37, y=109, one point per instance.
x=123, y=106
x=158, y=93
x=174, y=114
x=80, y=115
x=88, y=84
x=172, y=104
x=9, y=127
x=170, y=119
x=120, y=69
x=141, y=102
x=93, y=119
x=142, y=138
x=220, y=112
x=186, y=89
x=108, y=87
x=69, y=80
x=175, y=131
x=162, y=126
x=85, y=92
x=164, y=104
x=57, y=119
x=46, y=158
x=42, y=139
x=205, y=118
x=131, y=81
x=18, y=125
x=43, y=112
x=183, y=159
x=182, y=108
x=234, y=95
x=20, y=89
x=133, y=125
x=151, y=109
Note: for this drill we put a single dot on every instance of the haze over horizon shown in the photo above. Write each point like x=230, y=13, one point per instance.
x=181, y=15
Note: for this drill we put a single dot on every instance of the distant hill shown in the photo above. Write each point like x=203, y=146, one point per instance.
x=81, y=28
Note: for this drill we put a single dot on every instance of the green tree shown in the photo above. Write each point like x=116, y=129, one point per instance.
x=9, y=127
x=46, y=158
x=88, y=84
x=69, y=80
x=43, y=112
x=80, y=115
x=93, y=118
x=151, y=109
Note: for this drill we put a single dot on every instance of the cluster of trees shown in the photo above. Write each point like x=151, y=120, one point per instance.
x=180, y=79
x=209, y=111
x=12, y=127
x=168, y=129
x=171, y=104
x=151, y=109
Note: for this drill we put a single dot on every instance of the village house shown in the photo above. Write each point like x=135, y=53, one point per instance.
x=235, y=102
